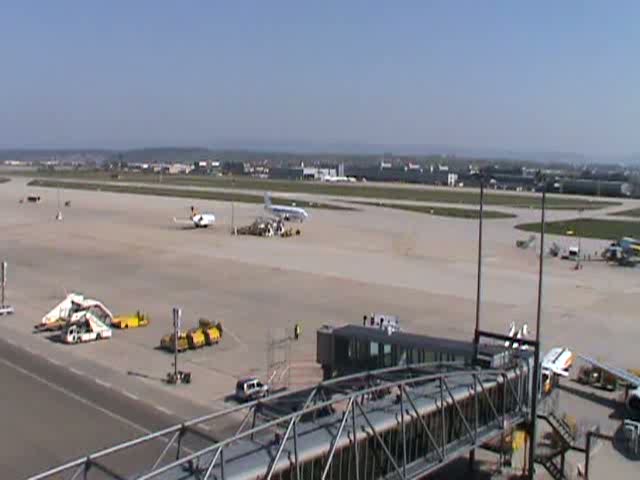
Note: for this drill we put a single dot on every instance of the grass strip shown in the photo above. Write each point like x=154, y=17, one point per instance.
x=634, y=212
x=178, y=193
x=435, y=195
x=588, y=228
x=441, y=211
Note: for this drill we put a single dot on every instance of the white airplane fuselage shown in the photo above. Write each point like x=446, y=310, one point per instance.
x=198, y=220
x=285, y=212
x=558, y=360
x=203, y=220
x=332, y=179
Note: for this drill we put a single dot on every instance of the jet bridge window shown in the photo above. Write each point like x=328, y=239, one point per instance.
x=387, y=358
x=373, y=349
x=402, y=355
x=358, y=354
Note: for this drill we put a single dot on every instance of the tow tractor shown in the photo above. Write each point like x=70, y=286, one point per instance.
x=131, y=321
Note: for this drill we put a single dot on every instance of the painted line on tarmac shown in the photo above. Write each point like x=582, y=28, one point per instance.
x=163, y=410
x=102, y=382
x=129, y=394
x=77, y=372
x=235, y=337
x=88, y=403
x=76, y=397
x=54, y=361
x=12, y=342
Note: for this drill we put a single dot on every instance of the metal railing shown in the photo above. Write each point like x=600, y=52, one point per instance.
x=416, y=418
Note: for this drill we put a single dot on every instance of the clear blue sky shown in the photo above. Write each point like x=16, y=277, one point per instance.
x=544, y=76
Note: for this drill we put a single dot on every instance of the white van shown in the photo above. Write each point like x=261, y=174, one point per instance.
x=252, y=388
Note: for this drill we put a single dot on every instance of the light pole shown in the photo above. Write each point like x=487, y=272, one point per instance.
x=3, y=280
x=233, y=210
x=59, y=214
x=476, y=335
x=177, y=317
x=579, y=233
x=4, y=309
x=536, y=366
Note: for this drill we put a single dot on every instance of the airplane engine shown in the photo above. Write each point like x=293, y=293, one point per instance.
x=633, y=401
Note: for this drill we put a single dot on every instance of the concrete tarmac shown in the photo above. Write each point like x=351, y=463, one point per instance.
x=50, y=415
x=125, y=251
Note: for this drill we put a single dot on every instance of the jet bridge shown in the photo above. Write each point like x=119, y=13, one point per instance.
x=400, y=422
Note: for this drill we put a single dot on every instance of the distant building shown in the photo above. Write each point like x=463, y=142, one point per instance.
x=139, y=167
x=397, y=174
x=320, y=173
x=206, y=167
x=179, y=168
x=301, y=173
x=16, y=163
x=234, y=168
x=595, y=187
x=286, y=173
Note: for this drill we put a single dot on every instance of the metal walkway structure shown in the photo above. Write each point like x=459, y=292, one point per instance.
x=395, y=423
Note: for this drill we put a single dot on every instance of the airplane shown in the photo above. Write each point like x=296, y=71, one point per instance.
x=625, y=252
x=558, y=360
x=199, y=220
x=284, y=212
x=633, y=397
x=555, y=364
x=517, y=334
x=338, y=179
x=629, y=243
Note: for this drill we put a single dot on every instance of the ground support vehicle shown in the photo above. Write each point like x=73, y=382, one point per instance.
x=248, y=389
x=131, y=321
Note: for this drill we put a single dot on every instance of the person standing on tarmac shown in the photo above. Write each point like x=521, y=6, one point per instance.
x=297, y=331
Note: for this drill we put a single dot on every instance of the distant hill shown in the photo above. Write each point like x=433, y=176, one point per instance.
x=412, y=150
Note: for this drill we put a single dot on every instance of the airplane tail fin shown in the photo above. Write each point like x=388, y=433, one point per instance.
x=559, y=371
x=267, y=199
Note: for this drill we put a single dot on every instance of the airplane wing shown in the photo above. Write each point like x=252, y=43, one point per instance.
x=182, y=221
x=617, y=372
